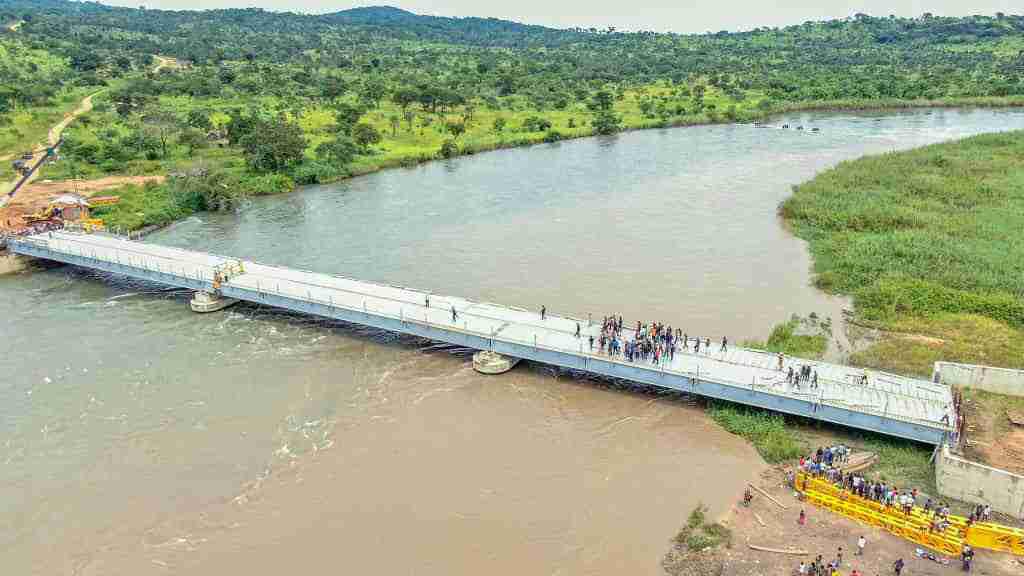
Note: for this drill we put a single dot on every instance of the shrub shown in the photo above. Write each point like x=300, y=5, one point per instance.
x=449, y=149
x=267, y=184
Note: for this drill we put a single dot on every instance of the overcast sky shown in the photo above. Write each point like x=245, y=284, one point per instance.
x=660, y=15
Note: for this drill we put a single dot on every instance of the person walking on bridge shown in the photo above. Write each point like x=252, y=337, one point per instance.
x=427, y=300
x=725, y=343
x=455, y=315
x=577, y=329
x=543, y=312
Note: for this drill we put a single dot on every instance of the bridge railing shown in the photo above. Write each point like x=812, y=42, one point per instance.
x=144, y=264
x=581, y=350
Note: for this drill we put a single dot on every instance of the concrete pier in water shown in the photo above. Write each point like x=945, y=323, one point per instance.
x=203, y=302
x=894, y=405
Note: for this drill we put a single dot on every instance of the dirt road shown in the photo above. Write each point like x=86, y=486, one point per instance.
x=51, y=139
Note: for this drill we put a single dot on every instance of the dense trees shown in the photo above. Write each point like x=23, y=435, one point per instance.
x=311, y=95
x=442, y=63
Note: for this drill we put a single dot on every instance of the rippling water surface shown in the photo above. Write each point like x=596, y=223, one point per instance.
x=138, y=437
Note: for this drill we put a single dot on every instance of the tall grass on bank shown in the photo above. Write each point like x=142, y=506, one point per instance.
x=801, y=337
x=767, y=431
x=924, y=234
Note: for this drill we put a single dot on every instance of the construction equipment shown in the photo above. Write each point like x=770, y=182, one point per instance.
x=71, y=208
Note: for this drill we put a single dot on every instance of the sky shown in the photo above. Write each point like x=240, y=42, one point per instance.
x=658, y=15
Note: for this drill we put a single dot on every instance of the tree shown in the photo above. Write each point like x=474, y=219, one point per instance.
x=395, y=122
x=605, y=122
x=339, y=151
x=161, y=124
x=346, y=116
x=409, y=116
x=456, y=129
x=404, y=97
x=193, y=139
x=373, y=91
x=198, y=118
x=499, y=125
x=365, y=135
x=274, y=145
x=332, y=87
x=602, y=100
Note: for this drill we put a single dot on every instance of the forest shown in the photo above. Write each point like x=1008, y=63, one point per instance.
x=241, y=102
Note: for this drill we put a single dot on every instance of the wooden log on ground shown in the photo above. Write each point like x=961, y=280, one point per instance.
x=778, y=551
x=768, y=496
x=761, y=522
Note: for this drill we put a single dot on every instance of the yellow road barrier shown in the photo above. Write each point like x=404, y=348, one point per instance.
x=916, y=526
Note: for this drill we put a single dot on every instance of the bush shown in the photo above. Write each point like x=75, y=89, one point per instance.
x=536, y=124
x=267, y=184
x=553, y=136
x=316, y=172
x=449, y=149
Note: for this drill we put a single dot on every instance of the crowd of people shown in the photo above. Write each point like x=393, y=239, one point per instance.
x=656, y=343
x=826, y=463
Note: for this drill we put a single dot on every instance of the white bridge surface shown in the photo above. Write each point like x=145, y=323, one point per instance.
x=893, y=397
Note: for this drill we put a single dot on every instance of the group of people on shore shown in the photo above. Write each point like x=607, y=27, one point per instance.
x=818, y=566
x=825, y=463
x=656, y=342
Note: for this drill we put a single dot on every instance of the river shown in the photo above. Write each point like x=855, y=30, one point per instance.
x=140, y=438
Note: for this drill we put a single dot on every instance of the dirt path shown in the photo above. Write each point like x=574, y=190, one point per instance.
x=52, y=137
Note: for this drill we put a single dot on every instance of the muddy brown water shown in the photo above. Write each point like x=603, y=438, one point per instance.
x=140, y=438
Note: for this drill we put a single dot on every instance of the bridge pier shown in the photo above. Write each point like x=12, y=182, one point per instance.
x=487, y=362
x=203, y=302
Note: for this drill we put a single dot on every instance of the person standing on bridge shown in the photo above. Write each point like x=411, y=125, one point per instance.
x=428, y=300
x=543, y=312
x=696, y=346
x=591, y=342
x=725, y=343
x=577, y=329
x=455, y=315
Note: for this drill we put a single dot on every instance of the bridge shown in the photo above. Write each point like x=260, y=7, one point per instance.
x=878, y=402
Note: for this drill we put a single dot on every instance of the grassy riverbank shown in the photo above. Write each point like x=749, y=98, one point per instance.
x=929, y=244
x=420, y=140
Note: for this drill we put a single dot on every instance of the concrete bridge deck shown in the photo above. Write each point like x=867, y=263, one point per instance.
x=889, y=404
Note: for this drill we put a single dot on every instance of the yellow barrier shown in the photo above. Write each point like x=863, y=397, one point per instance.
x=915, y=526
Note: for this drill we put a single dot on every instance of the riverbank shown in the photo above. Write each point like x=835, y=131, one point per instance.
x=767, y=525
x=927, y=242
x=407, y=150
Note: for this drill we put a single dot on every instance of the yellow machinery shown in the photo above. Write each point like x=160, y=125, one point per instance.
x=69, y=209
x=916, y=526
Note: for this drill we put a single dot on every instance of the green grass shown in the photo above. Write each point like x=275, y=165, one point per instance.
x=767, y=431
x=699, y=534
x=140, y=206
x=927, y=241
x=801, y=337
